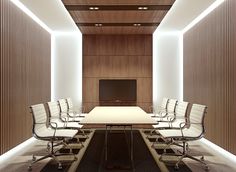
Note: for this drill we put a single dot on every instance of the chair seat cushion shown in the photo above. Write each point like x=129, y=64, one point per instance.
x=47, y=132
x=61, y=124
x=177, y=133
x=83, y=114
x=174, y=124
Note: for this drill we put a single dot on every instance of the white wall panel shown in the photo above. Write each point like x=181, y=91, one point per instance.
x=167, y=66
x=67, y=66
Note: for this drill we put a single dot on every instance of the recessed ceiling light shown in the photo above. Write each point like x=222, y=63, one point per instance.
x=137, y=24
x=142, y=8
x=94, y=8
x=98, y=24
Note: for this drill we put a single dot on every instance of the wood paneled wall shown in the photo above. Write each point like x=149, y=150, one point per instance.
x=25, y=73
x=210, y=72
x=117, y=57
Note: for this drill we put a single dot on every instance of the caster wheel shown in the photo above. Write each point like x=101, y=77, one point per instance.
x=207, y=168
x=176, y=167
x=48, y=148
x=33, y=158
x=29, y=168
x=59, y=166
x=202, y=158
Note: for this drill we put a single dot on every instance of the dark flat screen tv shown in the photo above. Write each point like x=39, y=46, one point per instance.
x=117, y=90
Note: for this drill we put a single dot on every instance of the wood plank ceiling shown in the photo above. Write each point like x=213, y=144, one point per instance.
x=118, y=16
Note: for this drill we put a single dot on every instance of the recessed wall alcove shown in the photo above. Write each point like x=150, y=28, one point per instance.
x=117, y=57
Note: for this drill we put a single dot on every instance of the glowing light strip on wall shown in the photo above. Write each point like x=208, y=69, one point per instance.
x=53, y=57
x=181, y=68
x=76, y=38
x=16, y=150
x=220, y=150
x=30, y=14
x=203, y=14
x=154, y=69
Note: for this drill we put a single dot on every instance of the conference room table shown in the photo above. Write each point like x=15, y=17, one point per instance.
x=111, y=116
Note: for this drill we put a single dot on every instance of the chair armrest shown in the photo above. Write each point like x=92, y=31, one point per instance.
x=181, y=126
x=55, y=129
x=66, y=119
x=75, y=114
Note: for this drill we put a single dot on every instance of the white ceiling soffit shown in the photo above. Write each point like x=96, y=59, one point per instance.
x=52, y=13
x=182, y=13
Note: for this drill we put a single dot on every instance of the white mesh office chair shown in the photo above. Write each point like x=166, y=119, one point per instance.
x=163, y=116
x=66, y=114
x=174, y=121
x=55, y=117
x=160, y=109
x=42, y=132
x=78, y=111
x=194, y=131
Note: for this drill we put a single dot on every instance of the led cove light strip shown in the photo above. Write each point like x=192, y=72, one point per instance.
x=53, y=61
x=203, y=14
x=30, y=14
x=221, y=151
x=181, y=68
x=18, y=149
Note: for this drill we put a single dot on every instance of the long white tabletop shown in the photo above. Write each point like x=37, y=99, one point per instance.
x=120, y=115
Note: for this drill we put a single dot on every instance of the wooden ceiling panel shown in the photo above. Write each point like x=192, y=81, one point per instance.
x=117, y=30
x=118, y=16
x=118, y=2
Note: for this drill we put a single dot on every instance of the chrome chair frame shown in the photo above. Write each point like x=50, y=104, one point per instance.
x=175, y=140
x=60, y=139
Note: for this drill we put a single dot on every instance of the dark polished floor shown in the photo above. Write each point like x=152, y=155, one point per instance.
x=118, y=154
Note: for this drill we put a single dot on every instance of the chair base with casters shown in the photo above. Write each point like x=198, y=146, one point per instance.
x=52, y=154
x=194, y=130
x=54, y=136
x=183, y=154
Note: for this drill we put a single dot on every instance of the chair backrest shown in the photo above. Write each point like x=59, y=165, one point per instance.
x=164, y=103
x=71, y=106
x=39, y=119
x=54, y=111
x=196, y=119
x=69, y=103
x=171, y=105
x=63, y=105
x=181, y=109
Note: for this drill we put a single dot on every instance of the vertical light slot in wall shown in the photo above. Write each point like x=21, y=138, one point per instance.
x=67, y=66
x=79, y=71
x=53, y=58
x=154, y=70
x=181, y=68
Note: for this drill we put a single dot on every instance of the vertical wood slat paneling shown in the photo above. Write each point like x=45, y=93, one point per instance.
x=209, y=72
x=25, y=73
x=117, y=57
